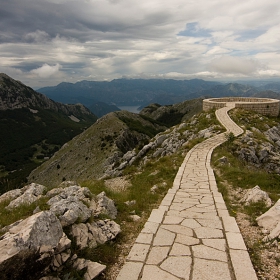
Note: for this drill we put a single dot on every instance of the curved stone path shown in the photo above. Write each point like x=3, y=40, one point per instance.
x=191, y=235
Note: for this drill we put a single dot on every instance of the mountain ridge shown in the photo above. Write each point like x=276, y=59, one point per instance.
x=32, y=128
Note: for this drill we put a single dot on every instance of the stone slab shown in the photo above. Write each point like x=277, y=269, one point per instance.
x=235, y=241
x=130, y=271
x=153, y=272
x=138, y=252
x=210, y=270
x=178, y=266
x=242, y=266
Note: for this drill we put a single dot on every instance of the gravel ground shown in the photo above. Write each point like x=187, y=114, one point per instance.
x=265, y=256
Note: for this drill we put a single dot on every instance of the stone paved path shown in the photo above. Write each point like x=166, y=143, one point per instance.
x=191, y=235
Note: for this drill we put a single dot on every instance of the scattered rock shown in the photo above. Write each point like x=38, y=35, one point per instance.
x=135, y=218
x=223, y=160
x=93, y=269
x=130, y=203
x=255, y=195
x=154, y=189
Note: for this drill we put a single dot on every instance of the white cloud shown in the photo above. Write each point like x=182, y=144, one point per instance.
x=46, y=70
x=234, y=65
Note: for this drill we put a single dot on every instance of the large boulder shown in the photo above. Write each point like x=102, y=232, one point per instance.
x=270, y=221
x=255, y=195
x=28, y=247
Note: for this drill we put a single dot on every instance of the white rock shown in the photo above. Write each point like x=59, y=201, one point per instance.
x=135, y=218
x=69, y=210
x=105, y=206
x=31, y=193
x=270, y=219
x=34, y=237
x=89, y=235
x=256, y=194
x=11, y=195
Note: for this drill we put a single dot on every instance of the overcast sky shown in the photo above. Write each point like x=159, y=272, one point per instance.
x=45, y=42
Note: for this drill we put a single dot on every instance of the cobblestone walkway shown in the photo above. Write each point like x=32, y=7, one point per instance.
x=191, y=235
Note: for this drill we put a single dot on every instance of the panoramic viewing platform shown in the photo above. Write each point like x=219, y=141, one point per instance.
x=265, y=106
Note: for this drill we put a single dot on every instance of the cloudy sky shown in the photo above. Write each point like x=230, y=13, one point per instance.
x=45, y=42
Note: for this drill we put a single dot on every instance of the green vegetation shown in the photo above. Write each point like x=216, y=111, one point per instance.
x=27, y=138
x=170, y=118
x=237, y=175
x=8, y=217
x=158, y=172
x=138, y=126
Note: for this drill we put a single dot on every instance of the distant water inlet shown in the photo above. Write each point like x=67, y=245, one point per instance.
x=264, y=106
x=132, y=109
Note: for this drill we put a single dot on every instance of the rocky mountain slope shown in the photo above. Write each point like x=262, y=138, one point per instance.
x=96, y=152
x=32, y=128
x=15, y=95
x=173, y=114
x=102, y=149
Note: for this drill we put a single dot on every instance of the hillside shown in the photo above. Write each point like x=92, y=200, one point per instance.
x=96, y=152
x=32, y=128
x=145, y=173
x=173, y=114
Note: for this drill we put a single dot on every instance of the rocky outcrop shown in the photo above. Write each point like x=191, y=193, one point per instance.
x=264, y=154
x=165, y=143
x=28, y=247
x=15, y=94
x=106, y=206
x=34, y=247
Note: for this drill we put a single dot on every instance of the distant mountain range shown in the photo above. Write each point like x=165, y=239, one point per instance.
x=141, y=92
x=127, y=92
x=33, y=127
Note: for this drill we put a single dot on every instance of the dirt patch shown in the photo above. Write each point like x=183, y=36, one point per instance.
x=118, y=184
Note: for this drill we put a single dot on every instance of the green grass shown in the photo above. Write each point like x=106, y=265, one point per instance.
x=8, y=217
x=24, y=137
